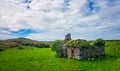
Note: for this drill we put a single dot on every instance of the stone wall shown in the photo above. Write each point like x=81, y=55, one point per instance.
x=81, y=53
x=64, y=52
x=99, y=51
x=85, y=53
x=67, y=38
x=69, y=53
x=76, y=53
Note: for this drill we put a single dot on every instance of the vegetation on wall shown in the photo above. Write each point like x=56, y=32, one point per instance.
x=99, y=42
x=81, y=43
x=92, y=46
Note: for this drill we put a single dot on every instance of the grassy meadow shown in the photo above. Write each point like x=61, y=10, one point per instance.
x=43, y=59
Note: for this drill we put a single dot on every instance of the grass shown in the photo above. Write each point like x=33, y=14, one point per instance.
x=43, y=59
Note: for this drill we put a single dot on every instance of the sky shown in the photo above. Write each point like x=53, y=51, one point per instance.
x=48, y=20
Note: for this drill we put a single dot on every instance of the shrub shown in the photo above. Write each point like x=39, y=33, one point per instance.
x=41, y=45
x=80, y=43
x=99, y=42
x=57, y=46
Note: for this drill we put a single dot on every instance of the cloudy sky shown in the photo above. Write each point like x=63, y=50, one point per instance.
x=51, y=19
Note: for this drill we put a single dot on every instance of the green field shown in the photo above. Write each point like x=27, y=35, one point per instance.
x=43, y=59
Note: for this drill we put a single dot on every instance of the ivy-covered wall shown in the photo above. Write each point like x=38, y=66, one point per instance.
x=79, y=48
x=82, y=49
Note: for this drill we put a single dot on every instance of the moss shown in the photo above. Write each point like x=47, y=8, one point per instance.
x=79, y=43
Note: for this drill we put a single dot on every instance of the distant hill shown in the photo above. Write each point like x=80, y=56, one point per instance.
x=18, y=42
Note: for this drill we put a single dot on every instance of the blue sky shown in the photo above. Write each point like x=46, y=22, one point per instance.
x=48, y=20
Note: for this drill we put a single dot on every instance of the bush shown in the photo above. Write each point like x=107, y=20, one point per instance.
x=99, y=42
x=57, y=46
x=41, y=45
x=79, y=43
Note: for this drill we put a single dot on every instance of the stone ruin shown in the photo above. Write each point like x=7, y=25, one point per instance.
x=81, y=53
x=67, y=38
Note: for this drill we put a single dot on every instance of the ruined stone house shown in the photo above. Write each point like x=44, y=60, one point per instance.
x=81, y=53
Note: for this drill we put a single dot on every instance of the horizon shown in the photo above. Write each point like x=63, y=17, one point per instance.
x=61, y=39
x=49, y=20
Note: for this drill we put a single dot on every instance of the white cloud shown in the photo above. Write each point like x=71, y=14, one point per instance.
x=5, y=36
x=49, y=15
x=46, y=36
